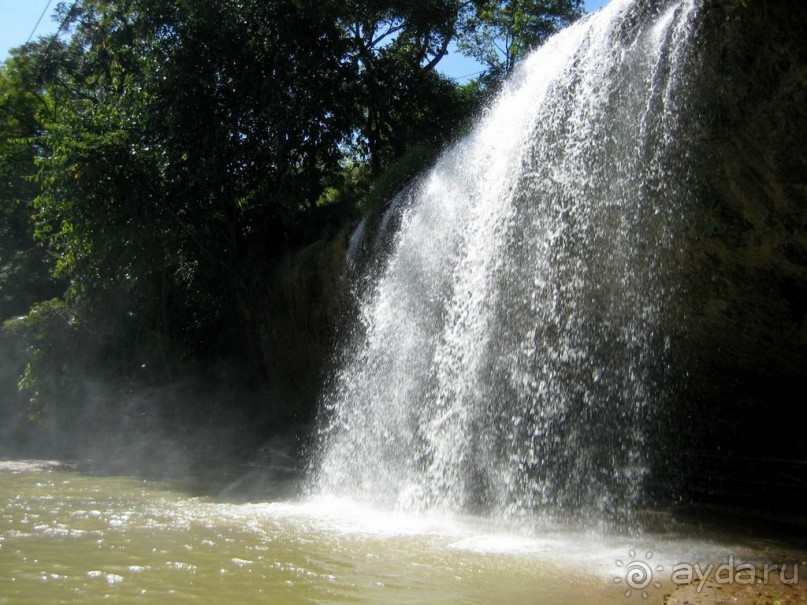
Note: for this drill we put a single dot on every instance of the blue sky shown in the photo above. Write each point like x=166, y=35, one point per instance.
x=18, y=18
x=463, y=69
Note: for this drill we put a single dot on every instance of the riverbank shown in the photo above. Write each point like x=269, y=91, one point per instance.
x=772, y=592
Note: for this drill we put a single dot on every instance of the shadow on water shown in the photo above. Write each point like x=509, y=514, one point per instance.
x=226, y=482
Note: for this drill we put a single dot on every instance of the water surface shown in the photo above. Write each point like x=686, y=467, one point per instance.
x=68, y=536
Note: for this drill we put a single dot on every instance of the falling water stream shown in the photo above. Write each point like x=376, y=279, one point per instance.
x=511, y=353
x=493, y=409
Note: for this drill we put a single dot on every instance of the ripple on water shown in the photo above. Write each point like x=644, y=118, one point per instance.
x=117, y=539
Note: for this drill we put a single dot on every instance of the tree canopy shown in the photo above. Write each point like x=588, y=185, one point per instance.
x=499, y=34
x=162, y=161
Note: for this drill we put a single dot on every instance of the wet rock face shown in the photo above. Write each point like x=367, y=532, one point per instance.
x=745, y=260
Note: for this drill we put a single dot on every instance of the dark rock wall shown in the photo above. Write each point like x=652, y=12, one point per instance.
x=744, y=315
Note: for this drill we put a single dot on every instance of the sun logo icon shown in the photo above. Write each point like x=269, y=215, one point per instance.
x=638, y=575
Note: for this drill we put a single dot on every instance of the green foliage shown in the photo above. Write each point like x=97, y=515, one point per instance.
x=24, y=270
x=400, y=100
x=48, y=335
x=384, y=187
x=167, y=159
x=499, y=34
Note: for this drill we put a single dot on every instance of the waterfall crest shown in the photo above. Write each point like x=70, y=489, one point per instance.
x=512, y=348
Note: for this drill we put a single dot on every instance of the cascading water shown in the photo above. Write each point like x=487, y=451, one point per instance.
x=512, y=347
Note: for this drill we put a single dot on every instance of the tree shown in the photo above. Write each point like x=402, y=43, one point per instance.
x=190, y=141
x=25, y=270
x=401, y=100
x=254, y=104
x=499, y=34
x=184, y=149
x=24, y=267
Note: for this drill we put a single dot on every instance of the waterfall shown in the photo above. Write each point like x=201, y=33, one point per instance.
x=511, y=346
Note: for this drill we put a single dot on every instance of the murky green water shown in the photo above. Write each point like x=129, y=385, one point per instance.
x=69, y=537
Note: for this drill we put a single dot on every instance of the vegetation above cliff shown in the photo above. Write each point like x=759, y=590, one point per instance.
x=177, y=181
